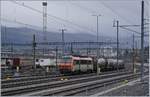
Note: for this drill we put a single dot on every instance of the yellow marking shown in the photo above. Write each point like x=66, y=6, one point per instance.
x=66, y=79
x=125, y=81
x=7, y=77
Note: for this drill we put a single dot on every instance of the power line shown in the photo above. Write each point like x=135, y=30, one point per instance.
x=124, y=26
x=21, y=23
x=92, y=11
x=58, y=18
x=76, y=0
x=32, y=10
x=83, y=7
x=116, y=13
x=130, y=30
x=24, y=24
x=130, y=25
x=59, y=43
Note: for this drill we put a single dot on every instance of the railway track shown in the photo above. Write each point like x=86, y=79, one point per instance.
x=54, y=84
x=19, y=79
x=70, y=90
x=40, y=79
x=91, y=86
x=85, y=87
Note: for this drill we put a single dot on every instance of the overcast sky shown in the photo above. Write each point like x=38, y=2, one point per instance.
x=79, y=13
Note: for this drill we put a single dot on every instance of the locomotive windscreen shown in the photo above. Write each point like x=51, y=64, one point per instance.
x=66, y=59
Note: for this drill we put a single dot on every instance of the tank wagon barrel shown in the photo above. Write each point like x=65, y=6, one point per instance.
x=110, y=64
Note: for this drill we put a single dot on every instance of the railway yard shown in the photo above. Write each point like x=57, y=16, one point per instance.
x=106, y=57
x=76, y=85
x=75, y=76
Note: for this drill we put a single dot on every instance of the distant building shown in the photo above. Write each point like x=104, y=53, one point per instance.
x=108, y=51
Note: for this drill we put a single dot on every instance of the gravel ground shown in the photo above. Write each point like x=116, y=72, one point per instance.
x=97, y=90
x=137, y=89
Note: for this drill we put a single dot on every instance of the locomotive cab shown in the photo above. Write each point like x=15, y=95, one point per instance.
x=76, y=64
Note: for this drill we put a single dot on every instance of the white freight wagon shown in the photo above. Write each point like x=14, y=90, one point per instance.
x=45, y=62
x=48, y=64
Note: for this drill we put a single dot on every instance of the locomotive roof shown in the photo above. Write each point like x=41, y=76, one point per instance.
x=78, y=57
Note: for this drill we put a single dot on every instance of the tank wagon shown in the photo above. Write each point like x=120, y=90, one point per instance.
x=110, y=64
x=75, y=64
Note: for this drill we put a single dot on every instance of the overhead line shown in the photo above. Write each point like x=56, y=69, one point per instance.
x=130, y=26
x=77, y=0
x=58, y=18
x=18, y=22
x=115, y=12
x=57, y=43
x=24, y=24
x=130, y=30
x=84, y=8
x=133, y=31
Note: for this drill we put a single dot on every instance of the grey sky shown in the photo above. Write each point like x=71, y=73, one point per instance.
x=78, y=12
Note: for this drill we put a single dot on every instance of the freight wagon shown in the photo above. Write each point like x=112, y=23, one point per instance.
x=110, y=64
x=47, y=64
x=10, y=62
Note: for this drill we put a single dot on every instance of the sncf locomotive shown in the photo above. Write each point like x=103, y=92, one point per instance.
x=87, y=64
x=76, y=64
